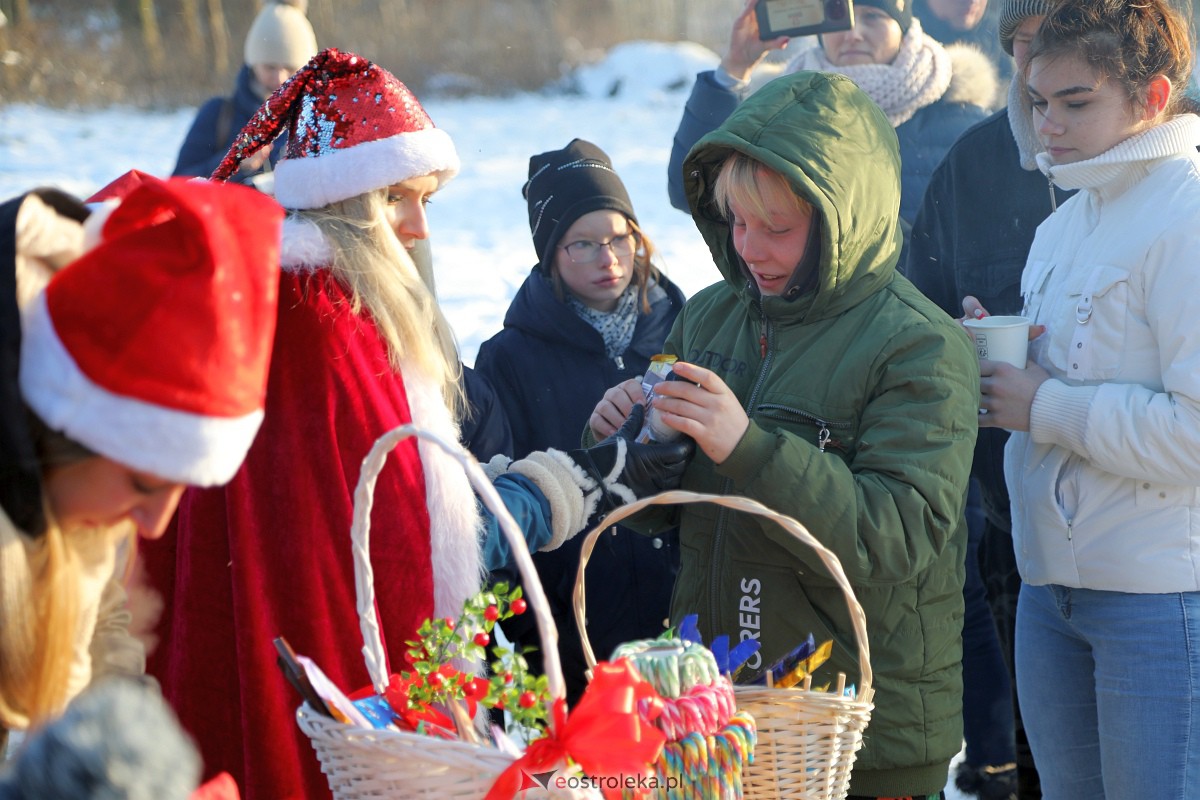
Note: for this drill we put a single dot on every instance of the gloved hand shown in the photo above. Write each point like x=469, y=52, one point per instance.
x=625, y=470
x=618, y=470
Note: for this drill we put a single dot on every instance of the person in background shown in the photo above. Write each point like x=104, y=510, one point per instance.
x=972, y=22
x=818, y=381
x=279, y=42
x=929, y=96
x=135, y=342
x=592, y=313
x=971, y=237
x=1101, y=464
x=361, y=348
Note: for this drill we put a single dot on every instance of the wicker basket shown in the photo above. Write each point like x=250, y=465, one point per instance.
x=807, y=740
x=368, y=763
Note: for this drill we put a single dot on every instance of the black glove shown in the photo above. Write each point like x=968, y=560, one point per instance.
x=626, y=470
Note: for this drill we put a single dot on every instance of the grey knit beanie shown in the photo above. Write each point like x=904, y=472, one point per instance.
x=1013, y=13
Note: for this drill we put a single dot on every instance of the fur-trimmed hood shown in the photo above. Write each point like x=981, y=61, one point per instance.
x=975, y=79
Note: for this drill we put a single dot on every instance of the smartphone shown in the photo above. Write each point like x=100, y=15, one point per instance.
x=802, y=17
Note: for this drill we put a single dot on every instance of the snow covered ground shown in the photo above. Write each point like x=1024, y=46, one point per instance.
x=629, y=105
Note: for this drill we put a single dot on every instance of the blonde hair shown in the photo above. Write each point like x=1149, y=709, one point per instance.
x=370, y=261
x=752, y=185
x=644, y=271
x=40, y=602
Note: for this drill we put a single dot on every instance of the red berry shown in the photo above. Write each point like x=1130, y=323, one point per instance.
x=527, y=700
x=482, y=639
x=508, y=677
x=434, y=679
x=519, y=605
x=449, y=623
x=491, y=613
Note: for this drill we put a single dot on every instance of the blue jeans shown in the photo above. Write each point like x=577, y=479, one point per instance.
x=1109, y=686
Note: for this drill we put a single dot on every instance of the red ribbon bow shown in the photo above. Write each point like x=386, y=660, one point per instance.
x=605, y=735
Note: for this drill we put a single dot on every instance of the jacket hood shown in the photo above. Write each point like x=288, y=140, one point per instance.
x=840, y=153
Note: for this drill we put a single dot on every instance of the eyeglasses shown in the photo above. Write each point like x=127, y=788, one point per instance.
x=586, y=252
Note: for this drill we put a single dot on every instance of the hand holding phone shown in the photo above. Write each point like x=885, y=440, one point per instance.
x=802, y=17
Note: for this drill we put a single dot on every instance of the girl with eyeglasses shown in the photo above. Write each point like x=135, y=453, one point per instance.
x=591, y=314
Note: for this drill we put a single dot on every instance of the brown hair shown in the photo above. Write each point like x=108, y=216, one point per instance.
x=1128, y=42
x=644, y=271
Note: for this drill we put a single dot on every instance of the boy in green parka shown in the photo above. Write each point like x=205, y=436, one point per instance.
x=821, y=383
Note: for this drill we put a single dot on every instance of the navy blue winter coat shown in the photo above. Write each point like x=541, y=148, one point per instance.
x=549, y=369
x=484, y=426
x=205, y=144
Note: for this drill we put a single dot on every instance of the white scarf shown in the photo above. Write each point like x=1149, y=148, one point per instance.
x=917, y=77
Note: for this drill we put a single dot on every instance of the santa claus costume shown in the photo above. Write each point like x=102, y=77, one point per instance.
x=269, y=554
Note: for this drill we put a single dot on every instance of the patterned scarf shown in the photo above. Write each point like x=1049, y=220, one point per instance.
x=616, y=326
x=917, y=77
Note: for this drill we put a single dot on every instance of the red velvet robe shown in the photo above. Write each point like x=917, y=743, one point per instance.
x=269, y=554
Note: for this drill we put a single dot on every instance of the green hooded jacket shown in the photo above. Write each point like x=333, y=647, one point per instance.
x=862, y=397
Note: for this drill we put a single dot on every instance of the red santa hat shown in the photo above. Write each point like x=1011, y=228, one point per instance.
x=352, y=127
x=120, y=186
x=152, y=347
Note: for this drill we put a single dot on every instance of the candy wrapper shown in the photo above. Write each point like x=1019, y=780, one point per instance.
x=654, y=430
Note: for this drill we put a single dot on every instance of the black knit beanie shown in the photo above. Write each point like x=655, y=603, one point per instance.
x=899, y=10
x=564, y=185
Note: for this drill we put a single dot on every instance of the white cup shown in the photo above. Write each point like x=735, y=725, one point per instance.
x=1001, y=338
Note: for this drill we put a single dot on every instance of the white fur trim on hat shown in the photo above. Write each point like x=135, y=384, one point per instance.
x=168, y=443
x=342, y=173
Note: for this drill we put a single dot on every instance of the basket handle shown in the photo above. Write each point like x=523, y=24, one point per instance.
x=364, y=576
x=857, y=618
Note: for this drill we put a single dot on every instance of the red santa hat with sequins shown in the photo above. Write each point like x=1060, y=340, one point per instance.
x=352, y=127
x=152, y=347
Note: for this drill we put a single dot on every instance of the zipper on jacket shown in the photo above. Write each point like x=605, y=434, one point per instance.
x=620, y=363
x=824, y=434
x=1070, y=524
x=1053, y=199
x=764, y=342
